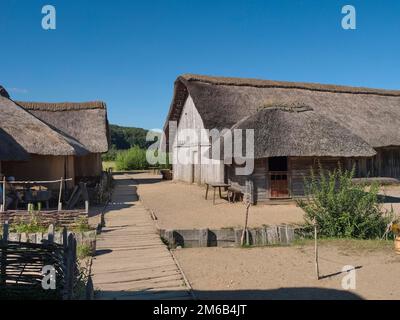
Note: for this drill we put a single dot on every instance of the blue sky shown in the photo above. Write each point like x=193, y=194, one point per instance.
x=128, y=53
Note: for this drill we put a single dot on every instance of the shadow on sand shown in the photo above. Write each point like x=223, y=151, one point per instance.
x=388, y=199
x=311, y=293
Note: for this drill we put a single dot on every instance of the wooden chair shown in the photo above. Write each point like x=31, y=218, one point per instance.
x=234, y=194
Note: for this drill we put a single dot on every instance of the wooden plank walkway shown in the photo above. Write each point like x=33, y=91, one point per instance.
x=131, y=261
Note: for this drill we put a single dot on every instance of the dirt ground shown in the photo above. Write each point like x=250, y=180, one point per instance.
x=179, y=205
x=392, y=194
x=288, y=272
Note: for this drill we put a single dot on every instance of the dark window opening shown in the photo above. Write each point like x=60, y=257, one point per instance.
x=278, y=164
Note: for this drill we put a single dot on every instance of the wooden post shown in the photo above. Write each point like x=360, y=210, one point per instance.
x=85, y=195
x=245, y=234
x=59, y=195
x=203, y=238
x=3, y=245
x=70, y=267
x=316, y=249
x=65, y=262
x=50, y=234
x=4, y=206
x=90, y=289
x=65, y=238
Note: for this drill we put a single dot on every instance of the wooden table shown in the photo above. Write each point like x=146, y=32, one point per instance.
x=216, y=185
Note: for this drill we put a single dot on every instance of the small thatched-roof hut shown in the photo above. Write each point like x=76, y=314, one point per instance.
x=53, y=140
x=295, y=126
x=27, y=138
x=86, y=122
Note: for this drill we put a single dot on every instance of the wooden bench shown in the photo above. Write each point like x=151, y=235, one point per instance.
x=234, y=194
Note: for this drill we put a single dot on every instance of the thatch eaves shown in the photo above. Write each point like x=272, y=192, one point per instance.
x=30, y=135
x=298, y=132
x=85, y=122
x=10, y=150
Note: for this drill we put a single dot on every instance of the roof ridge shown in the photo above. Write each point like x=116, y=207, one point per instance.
x=61, y=106
x=259, y=83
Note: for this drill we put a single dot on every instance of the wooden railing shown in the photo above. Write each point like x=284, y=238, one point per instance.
x=3, y=206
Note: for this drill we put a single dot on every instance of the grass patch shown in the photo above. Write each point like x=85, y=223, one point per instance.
x=28, y=227
x=84, y=251
x=109, y=165
x=81, y=226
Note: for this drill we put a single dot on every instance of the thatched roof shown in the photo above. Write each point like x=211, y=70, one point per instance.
x=22, y=133
x=10, y=149
x=286, y=131
x=85, y=122
x=359, y=118
x=3, y=93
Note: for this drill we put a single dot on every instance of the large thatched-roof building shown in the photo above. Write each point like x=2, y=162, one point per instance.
x=296, y=127
x=46, y=141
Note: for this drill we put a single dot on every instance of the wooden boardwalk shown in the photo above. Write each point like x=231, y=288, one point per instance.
x=131, y=260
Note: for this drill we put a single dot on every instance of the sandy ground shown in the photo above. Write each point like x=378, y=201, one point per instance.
x=179, y=205
x=393, y=198
x=288, y=272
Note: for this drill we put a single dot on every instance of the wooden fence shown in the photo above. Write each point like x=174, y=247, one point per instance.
x=21, y=266
x=229, y=237
x=67, y=218
x=3, y=206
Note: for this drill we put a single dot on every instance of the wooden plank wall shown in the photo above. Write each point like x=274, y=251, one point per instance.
x=385, y=164
x=189, y=152
x=259, y=179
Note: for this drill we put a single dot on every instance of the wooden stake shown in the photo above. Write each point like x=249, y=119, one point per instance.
x=316, y=249
x=3, y=254
x=4, y=208
x=59, y=195
x=245, y=231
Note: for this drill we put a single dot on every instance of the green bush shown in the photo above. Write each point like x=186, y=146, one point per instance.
x=81, y=225
x=32, y=226
x=132, y=159
x=111, y=155
x=166, y=165
x=341, y=208
x=83, y=251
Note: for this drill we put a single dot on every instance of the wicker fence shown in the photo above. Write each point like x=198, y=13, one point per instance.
x=67, y=218
x=21, y=265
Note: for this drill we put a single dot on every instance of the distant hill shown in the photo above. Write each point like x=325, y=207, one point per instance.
x=123, y=138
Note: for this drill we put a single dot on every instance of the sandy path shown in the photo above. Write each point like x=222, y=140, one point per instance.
x=288, y=273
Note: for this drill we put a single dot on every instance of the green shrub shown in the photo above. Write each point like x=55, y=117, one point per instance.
x=166, y=165
x=111, y=155
x=32, y=226
x=81, y=225
x=132, y=159
x=341, y=208
x=83, y=251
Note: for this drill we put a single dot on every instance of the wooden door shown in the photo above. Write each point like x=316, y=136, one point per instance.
x=279, y=185
x=278, y=177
